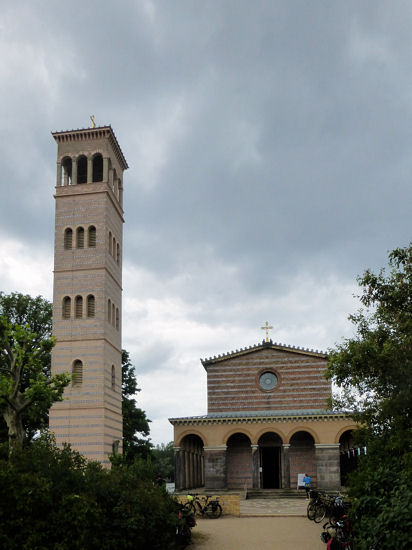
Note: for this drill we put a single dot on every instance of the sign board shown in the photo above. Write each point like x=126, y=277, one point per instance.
x=300, y=481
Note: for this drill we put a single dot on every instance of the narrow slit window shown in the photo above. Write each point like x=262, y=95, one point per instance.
x=92, y=237
x=66, y=307
x=80, y=237
x=91, y=305
x=110, y=243
x=109, y=310
x=113, y=312
x=77, y=372
x=117, y=318
x=82, y=170
x=113, y=378
x=118, y=253
x=114, y=247
x=78, y=307
x=68, y=239
x=97, y=168
x=67, y=171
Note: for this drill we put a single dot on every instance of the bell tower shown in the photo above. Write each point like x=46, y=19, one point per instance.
x=87, y=295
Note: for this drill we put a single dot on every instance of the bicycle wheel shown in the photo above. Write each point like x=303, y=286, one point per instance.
x=311, y=511
x=213, y=510
x=189, y=507
x=320, y=512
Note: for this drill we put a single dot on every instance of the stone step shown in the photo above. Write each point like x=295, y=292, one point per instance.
x=275, y=493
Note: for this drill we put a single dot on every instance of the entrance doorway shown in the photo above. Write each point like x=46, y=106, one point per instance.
x=270, y=461
x=270, y=464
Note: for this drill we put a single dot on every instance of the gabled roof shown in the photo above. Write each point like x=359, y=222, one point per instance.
x=258, y=347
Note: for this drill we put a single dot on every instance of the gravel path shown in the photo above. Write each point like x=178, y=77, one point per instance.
x=256, y=533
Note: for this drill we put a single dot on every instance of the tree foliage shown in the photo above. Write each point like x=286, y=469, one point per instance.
x=135, y=423
x=374, y=371
x=27, y=389
x=163, y=460
x=55, y=499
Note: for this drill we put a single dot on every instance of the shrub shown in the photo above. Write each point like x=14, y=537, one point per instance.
x=55, y=499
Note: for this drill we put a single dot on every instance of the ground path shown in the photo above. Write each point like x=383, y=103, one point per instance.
x=257, y=533
x=278, y=524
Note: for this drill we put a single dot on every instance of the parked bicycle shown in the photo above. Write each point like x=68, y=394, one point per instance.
x=186, y=520
x=323, y=505
x=316, y=508
x=204, y=506
x=337, y=536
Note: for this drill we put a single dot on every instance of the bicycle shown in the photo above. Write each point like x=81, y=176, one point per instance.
x=316, y=508
x=186, y=520
x=209, y=508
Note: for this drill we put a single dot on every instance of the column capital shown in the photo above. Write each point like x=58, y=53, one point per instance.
x=215, y=448
x=286, y=445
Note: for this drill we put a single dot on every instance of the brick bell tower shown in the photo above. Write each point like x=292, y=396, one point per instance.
x=87, y=297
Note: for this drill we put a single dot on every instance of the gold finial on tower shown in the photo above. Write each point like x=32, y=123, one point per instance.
x=93, y=122
x=267, y=328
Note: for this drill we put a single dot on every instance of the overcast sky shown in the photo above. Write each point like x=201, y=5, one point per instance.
x=269, y=145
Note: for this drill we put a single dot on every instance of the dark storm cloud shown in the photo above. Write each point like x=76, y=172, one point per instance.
x=269, y=151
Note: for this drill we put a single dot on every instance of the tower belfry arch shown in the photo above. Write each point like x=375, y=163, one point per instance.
x=87, y=295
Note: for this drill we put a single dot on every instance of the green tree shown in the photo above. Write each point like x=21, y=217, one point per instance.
x=163, y=460
x=26, y=388
x=135, y=423
x=373, y=370
x=36, y=313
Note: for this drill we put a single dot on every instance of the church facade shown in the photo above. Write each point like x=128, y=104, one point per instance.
x=267, y=422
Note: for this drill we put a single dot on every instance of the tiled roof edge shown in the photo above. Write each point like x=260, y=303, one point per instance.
x=269, y=345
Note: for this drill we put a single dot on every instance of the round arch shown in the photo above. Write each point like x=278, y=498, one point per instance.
x=263, y=431
x=349, y=428
x=303, y=429
x=234, y=431
x=191, y=432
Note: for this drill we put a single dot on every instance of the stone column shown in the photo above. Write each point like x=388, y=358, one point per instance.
x=105, y=169
x=285, y=466
x=74, y=171
x=178, y=468
x=215, y=467
x=327, y=465
x=59, y=174
x=255, y=466
x=89, y=170
x=186, y=468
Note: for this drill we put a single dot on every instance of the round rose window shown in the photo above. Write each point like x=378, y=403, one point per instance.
x=268, y=380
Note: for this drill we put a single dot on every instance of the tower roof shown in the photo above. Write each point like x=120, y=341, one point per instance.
x=93, y=133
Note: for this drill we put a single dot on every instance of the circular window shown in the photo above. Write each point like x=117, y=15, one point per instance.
x=268, y=380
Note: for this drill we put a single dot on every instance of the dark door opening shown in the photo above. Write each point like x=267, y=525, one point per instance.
x=270, y=464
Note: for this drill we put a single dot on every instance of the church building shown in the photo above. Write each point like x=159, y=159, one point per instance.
x=267, y=422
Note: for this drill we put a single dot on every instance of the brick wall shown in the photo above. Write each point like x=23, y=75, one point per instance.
x=239, y=467
x=233, y=384
x=302, y=460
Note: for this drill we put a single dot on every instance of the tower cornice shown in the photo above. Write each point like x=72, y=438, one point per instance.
x=82, y=134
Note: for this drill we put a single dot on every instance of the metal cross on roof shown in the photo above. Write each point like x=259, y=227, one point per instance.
x=267, y=328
